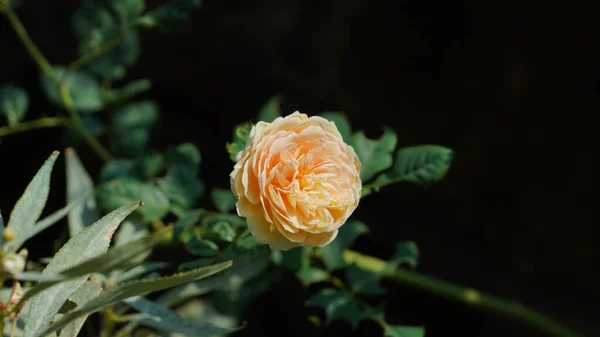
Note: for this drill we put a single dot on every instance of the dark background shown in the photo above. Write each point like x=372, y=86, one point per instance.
x=512, y=88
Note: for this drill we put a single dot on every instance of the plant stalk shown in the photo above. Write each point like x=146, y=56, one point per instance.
x=465, y=295
x=46, y=122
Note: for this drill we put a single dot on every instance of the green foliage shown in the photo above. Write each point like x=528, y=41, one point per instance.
x=169, y=16
x=79, y=184
x=132, y=289
x=196, y=245
x=312, y=275
x=270, y=110
x=375, y=155
x=31, y=204
x=240, y=138
x=13, y=103
x=363, y=282
x=338, y=304
x=424, y=165
x=124, y=190
x=96, y=25
x=341, y=122
x=82, y=88
x=164, y=319
x=118, y=95
x=332, y=254
x=182, y=186
x=406, y=252
x=403, y=331
x=131, y=126
x=82, y=295
x=223, y=199
x=89, y=243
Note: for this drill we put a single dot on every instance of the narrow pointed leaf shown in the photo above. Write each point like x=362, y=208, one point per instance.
x=82, y=295
x=137, y=288
x=403, y=331
x=79, y=183
x=138, y=271
x=89, y=243
x=31, y=204
x=162, y=318
x=115, y=258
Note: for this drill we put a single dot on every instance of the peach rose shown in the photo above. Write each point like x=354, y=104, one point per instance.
x=296, y=181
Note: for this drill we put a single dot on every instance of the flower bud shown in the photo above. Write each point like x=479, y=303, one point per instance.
x=13, y=263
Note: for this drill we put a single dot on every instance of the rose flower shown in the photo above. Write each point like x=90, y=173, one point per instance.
x=296, y=181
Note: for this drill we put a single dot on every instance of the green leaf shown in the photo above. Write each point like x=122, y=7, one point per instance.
x=245, y=267
x=375, y=155
x=222, y=231
x=139, y=270
x=169, y=16
x=424, y=165
x=403, y=331
x=131, y=289
x=270, y=110
x=223, y=199
x=79, y=183
x=312, y=275
x=95, y=25
x=185, y=155
x=341, y=122
x=83, y=89
x=41, y=225
x=162, y=318
x=187, y=220
x=406, y=252
x=195, y=244
x=125, y=190
x=128, y=10
x=87, y=244
x=132, y=124
x=31, y=204
x=82, y=295
x=147, y=166
x=332, y=254
x=338, y=304
x=363, y=282
x=240, y=138
x=116, y=168
x=119, y=95
x=182, y=186
x=115, y=258
x=296, y=258
x=13, y=103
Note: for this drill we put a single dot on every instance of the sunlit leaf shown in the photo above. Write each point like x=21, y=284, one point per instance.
x=83, y=89
x=13, y=103
x=82, y=295
x=139, y=271
x=375, y=155
x=332, y=253
x=131, y=289
x=240, y=138
x=79, y=183
x=223, y=199
x=31, y=204
x=162, y=318
x=125, y=190
x=403, y=331
x=270, y=110
x=169, y=16
x=87, y=244
x=341, y=122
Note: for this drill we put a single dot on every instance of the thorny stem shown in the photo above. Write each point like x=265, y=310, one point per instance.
x=46, y=122
x=465, y=295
